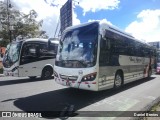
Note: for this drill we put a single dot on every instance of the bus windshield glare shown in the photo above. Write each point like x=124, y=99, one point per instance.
x=78, y=47
x=12, y=54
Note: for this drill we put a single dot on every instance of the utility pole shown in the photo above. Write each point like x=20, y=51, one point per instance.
x=8, y=20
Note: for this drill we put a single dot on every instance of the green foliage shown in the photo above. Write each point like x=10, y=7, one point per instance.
x=4, y=42
x=5, y=38
x=156, y=107
x=24, y=25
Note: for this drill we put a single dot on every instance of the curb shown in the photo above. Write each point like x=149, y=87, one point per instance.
x=147, y=108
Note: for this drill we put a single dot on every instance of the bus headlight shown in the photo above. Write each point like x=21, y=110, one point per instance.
x=89, y=77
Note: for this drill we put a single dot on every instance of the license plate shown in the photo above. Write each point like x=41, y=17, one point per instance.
x=8, y=74
x=68, y=83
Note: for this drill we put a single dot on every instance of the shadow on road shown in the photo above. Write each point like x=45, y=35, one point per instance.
x=19, y=81
x=64, y=99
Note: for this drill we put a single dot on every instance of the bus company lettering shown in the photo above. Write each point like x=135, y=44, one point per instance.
x=136, y=59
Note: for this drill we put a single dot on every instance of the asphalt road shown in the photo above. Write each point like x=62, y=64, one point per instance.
x=23, y=94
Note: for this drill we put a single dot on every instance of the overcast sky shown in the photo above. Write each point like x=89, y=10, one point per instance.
x=141, y=18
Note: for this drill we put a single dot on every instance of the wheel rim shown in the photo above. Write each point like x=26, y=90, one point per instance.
x=118, y=81
x=47, y=74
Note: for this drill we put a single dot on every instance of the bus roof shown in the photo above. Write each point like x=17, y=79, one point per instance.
x=77, y=26
x=36, y=39
x=105, y=25
x=55, y=41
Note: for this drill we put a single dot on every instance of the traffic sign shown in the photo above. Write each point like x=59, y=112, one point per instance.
x=66, y=17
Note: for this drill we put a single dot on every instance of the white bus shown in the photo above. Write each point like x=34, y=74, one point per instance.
x=31, y=57
x=96, y=56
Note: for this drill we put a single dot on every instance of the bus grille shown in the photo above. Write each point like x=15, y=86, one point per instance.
x=71, y=78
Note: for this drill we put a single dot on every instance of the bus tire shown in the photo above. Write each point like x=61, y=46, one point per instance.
x=47, y=73
x=118, y=80
x=32, y=77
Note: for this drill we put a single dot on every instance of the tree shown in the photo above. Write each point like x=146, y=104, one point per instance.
x=17, y=24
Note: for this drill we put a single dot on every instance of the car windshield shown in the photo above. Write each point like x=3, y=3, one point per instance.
x=78, y=47
x=12, y=54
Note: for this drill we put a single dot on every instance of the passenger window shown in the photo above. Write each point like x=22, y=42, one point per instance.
x=104, y=52
x=30, y=53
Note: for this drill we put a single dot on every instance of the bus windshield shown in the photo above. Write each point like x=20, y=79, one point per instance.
x=78, y=47
x=12, y=54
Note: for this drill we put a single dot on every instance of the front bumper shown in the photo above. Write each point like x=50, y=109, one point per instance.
x=10, y=73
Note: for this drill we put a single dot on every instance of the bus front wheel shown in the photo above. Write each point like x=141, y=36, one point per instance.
x=118, y=80
x=47, y=73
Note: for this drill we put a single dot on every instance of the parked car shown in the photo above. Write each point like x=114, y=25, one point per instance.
x=158, y=68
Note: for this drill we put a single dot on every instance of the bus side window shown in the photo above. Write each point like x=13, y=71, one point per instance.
x=103, y=44
x=30, y=53
x=45, y=52
x=104, y=52
x=108, y=44
x=43, y=49
x=131, y=48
